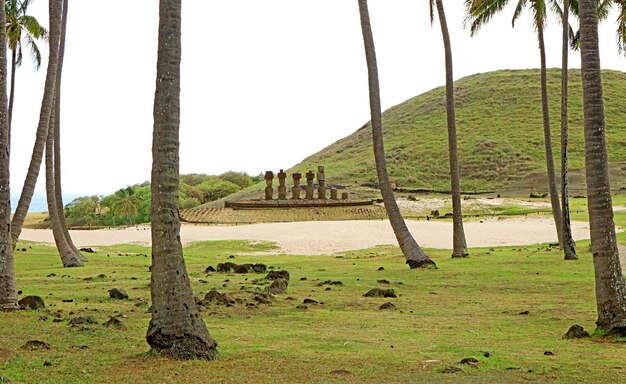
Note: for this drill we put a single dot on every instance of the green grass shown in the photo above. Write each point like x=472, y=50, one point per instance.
x=500, y=135
x=463, y=309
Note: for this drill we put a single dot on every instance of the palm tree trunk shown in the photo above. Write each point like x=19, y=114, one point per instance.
x=68, y=258
x=414, y=255
x=8, y=286
x=12, y=90
x=610, y=286
x=58, y=193
x=458, y=236
x=554, y=195
x=569, y=247
x=44, y=121
x=176, y=328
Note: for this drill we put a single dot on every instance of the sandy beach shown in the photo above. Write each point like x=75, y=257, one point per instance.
x=318, y=238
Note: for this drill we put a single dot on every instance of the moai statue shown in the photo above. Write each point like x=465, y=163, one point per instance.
x=295, y=191
x=269, y=191
x=321, y=183
x=309, y=185
x=345, y=196
x=282, y=189
x=333, y=193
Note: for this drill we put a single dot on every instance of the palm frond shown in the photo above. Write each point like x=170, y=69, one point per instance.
x=621, y=28
x=431, y=11
x=481, y=11
x=604, y=7
x=34, y=51
x=518, y=11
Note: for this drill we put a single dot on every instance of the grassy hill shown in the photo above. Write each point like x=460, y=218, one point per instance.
x=500, y=135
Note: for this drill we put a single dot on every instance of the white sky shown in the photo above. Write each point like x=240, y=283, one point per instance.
x=264, y=83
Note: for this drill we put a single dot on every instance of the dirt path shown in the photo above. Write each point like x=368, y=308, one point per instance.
x=315, y=238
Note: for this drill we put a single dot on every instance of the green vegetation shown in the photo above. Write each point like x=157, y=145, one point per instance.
x=131, y=205
x=499, y=131
x=466, y=308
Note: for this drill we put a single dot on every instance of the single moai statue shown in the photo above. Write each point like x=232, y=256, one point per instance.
x=333, y=193
x=321, y=183
x=345, y=196
x=295, y=191
x=269, y=191
x=309, y=185
x=282, y=189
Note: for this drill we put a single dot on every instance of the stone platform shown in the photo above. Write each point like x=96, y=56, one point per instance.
x=296, y=203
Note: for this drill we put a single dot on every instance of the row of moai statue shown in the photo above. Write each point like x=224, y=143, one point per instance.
x=297, y=189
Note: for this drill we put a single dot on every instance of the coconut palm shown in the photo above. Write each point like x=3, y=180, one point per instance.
x=459, y=245
x=8, y=287
x=610, y=286
x=176, y=328
x=569, y=247
x=56, y=127
x=415, y=256
x=55, y=7
x=479, y=13
x=22, y=30
x=127, y=204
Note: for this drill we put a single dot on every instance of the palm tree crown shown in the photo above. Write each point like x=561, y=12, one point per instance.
x=23, y=29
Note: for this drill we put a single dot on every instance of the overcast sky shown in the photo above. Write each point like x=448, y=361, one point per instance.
x=264, y=83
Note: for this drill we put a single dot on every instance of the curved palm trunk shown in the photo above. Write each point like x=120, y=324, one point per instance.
x=414, y=255
x=176, y=328
x=458, y=236
x=554, y=194
x=569, y=247
x=12, y=89
x=68, y=258
x=8, y=287
x=610, y=287
x=58, y=193
x=44, y=121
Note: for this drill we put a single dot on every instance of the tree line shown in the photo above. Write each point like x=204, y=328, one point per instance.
x=176, y=328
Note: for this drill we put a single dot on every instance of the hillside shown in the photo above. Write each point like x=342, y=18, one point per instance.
x=500, y=135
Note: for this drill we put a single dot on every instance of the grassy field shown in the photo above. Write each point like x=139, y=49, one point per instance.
x=505, y=307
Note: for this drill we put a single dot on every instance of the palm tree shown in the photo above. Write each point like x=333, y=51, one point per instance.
x=44, y=121
x=128, y=203
x=176, y=328
x=21, y=29
x=414, y=255
x=610, y=286
x=8, y=287
x=569, y=247
x=459, y=245
x=480, y=12
x=68, y=258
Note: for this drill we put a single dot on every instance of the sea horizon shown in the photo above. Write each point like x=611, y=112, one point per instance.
x=39, y=202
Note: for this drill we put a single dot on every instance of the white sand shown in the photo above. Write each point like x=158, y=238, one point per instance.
x=314, y=238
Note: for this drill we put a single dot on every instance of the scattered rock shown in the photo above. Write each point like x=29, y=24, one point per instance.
x=231, y=256
x=387, y=305
x=383, y=281
x=32, y=302
x=114, y=322
x=330, y=282
x=278, y=287
x=88, y=250
x=302, y=307
x=263, y=298
x=35, y=344
x=274, y=275
x=47, y=363
x=576, y=332
x=469, y=361
x=548, y=353
x=67, y=300
x=214, y=297
x=340, y=372
x=117, y=293
x=487, y=354
x=381, y=268
x=225, y=267
x=243, y=268
x=526, y=312
x=81, y=320
x=451, y=369
x=210, y=268
x=310, y=301
x=259, y=268
x=303, y=279
x=379, y=292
